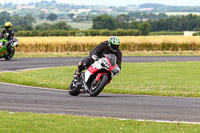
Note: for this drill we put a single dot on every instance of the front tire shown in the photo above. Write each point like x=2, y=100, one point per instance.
x=95, y=90
x=74, y=88
x=9, y=56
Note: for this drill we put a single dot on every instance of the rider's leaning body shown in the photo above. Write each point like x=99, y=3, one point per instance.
x=8, y=33
x=107, y=47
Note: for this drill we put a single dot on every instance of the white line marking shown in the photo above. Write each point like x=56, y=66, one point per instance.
x=122, y=119
x=33, y=87
x=163, y=121
x=2, y=71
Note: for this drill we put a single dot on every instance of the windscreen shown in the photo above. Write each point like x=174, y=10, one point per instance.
x=112, y=58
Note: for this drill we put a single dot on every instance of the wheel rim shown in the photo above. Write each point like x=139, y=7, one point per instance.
x=95, y=84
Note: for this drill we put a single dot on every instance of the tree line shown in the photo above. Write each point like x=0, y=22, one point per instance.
x=26, y=22
x=183, y=23
x=108, y=23
x=173, y=23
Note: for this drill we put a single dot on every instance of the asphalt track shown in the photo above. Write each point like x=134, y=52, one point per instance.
x=16, y=98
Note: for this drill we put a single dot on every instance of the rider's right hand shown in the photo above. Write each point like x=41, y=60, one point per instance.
x=95, y=57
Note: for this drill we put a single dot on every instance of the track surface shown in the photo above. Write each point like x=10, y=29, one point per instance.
x=26, y=63
x=32, y=99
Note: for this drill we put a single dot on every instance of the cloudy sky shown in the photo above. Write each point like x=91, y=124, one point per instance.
x=117, y=2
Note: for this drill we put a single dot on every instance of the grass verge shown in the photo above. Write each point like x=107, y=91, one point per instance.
x=125, y=53
x=52, y=123
x=161, y=79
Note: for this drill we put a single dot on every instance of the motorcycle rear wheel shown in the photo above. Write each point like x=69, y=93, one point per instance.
x=10, y=55
x=100, y=86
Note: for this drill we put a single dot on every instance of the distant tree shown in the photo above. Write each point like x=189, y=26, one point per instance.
x=55, y=26
x=79, y=18
x=61, y=26
x=42, y=15
x=104, y=22
x=176, y=23
x=122, y=21
x=144, y=28
x=29, y=19
x=133, y=25
x=52, y=17
x=71, y=15
x=22, y=27
x=162, y=15
x=17, y=20
x=5, y=13
x=4, y=17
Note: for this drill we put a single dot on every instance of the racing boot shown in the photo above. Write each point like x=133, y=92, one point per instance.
x=77, y=74
x=81, y=67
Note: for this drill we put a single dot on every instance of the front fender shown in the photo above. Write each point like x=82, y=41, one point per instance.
x=99, y=76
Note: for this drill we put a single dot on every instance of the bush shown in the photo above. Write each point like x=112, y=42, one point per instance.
x=105, y=33
x=91, y=32
x=166, y=33
x=72, y=33
x=35, y=33
x=195, y=34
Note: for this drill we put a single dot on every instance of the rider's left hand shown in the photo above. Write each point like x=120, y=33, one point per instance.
x=116, y=71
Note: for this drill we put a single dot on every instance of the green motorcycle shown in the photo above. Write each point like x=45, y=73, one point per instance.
x=3, y=48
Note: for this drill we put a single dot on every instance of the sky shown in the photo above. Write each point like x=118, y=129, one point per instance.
x=115, y=2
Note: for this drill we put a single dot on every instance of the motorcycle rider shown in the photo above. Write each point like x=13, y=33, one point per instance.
x=108, y=47
x=8, y=33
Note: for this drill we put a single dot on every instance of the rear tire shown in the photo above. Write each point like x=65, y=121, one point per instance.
x=103, y=81
x=74, y=90
x=10, y=55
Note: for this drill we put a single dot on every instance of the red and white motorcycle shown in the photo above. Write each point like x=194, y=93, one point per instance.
x=96, y=77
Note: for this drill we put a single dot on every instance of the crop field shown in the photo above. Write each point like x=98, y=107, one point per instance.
x=128, y=43
x=79, y=25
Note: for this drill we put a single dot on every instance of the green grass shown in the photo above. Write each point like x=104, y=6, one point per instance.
x=50, y=54
x=84, y=54
x=52, y=123
x=161, y=79
x=80, y=25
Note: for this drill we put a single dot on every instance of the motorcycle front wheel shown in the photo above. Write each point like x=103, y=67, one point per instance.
x=97, y=86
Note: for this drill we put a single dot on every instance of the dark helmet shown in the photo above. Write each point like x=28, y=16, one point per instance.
x=8, y=25
x=114, y=43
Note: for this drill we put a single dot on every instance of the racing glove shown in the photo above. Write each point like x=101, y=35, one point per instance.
x=116, y=71
x=95, y=57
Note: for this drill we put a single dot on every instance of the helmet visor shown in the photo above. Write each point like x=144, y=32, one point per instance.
x=114, y=46
x=7, y=27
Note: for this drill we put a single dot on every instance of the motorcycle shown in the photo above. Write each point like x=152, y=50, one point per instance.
x=96, y=77
x=3, y=48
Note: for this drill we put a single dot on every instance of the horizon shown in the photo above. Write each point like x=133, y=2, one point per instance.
x=114, y=2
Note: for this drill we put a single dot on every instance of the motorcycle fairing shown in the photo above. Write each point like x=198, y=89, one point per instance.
x=111, y=67
x=92, y=69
